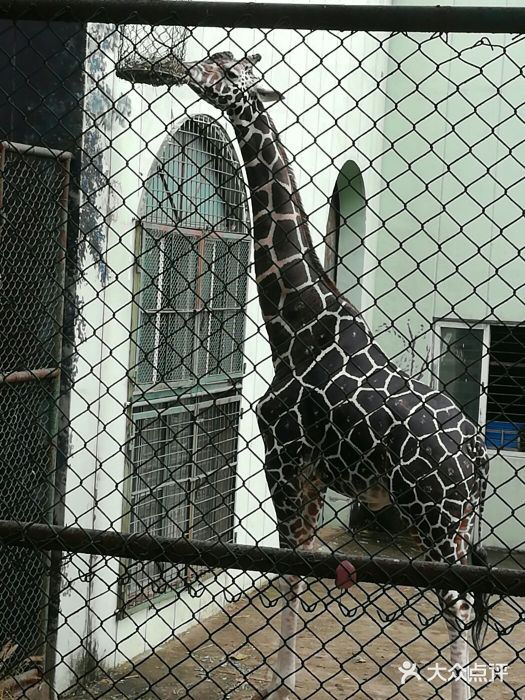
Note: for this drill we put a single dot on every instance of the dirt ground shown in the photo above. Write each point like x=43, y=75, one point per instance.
x=348, y=649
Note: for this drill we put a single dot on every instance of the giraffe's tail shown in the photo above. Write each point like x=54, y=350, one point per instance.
x=478, y=557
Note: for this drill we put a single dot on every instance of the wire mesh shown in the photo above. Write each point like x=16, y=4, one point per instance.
x=33, y=187
x=285, y=456
x=149, y=50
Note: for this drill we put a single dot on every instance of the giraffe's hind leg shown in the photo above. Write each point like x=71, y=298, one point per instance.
x=458, y=610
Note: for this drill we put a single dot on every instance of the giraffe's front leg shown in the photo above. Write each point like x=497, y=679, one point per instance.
x=283, y=680
x=297, y=506
x=282, y=684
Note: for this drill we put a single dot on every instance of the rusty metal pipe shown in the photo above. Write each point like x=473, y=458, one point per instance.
x=389, y=18
x=144, y=547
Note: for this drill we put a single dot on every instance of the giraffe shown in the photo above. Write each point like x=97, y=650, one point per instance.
x=338, y=413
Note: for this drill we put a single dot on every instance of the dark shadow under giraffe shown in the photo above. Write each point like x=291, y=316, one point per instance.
x=338, y=413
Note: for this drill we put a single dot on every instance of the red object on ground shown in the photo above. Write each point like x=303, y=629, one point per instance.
x=345, y=575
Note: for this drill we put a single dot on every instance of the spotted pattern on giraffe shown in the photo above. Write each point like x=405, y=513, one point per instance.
x=338, y=413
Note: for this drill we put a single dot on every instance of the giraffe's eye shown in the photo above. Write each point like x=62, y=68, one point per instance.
x=231, y=74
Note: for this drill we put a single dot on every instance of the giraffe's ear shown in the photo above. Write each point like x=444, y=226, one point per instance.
x=268, y=94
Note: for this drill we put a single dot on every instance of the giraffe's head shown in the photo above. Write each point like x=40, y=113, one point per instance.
x=227, y=83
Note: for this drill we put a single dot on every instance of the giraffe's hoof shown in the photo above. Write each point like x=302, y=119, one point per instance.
x=345, y=575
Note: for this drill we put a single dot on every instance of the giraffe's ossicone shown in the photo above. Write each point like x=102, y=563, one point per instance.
x=338, y=412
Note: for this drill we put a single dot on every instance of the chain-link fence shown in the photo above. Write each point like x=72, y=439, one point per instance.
x=262, y=340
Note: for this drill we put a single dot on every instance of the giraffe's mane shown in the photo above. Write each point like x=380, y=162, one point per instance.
x=304, y=227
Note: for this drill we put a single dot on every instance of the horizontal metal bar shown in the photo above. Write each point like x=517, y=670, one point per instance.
x=143, y=547
x=38, y=151
x=409, y=18
x=28, y=375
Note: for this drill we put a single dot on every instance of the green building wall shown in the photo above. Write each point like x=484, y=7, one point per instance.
x=452, y=210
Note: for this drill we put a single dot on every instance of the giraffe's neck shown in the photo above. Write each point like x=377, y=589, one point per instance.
x=293, y=287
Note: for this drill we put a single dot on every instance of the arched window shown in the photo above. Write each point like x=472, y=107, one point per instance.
x=344, y=262
x=346, y=232
x=193, y=262
x=187, y=370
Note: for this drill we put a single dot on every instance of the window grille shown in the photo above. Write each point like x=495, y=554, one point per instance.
x=196, y=181
x=183, y=483
x=191, y=294
x=193, y=261
x=482, y=368
x=506, y=388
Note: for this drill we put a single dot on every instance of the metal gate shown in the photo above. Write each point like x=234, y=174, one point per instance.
x=33, y=211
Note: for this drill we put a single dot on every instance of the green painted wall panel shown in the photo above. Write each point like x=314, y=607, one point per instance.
x=451, y=245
